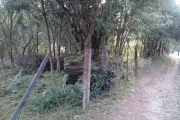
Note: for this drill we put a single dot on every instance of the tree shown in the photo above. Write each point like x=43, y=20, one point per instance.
x=49, y=39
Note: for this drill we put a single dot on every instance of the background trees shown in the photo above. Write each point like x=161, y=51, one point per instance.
x=109, y=23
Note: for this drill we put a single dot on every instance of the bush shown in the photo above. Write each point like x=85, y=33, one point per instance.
x=31, y=62
x=102, y=81
x=45, y=96
x=16, y=82
x=52, y=96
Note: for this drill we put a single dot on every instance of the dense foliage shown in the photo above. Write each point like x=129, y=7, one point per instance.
x=23, y=28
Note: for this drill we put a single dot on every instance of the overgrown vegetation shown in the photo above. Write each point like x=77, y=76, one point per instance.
x=111, y=30
x=31, y=62
x=52, y=101
x=45, y=95
x=101, y=81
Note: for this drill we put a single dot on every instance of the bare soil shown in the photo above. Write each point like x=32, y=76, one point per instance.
x=155, y=96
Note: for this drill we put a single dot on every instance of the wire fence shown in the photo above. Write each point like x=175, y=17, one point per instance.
x=97, y=90
x=64, y=110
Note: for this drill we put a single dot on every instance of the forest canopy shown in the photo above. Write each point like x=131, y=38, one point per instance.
x=23, y=28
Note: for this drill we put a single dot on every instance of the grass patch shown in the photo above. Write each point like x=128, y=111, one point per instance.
x=43, y=98
x=46, y=99
x=50, y=101
x=70, y=114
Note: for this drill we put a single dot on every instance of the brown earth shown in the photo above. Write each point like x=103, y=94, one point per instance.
x=155, y=96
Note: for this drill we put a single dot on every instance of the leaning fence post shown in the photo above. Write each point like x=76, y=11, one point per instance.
x=29, y=89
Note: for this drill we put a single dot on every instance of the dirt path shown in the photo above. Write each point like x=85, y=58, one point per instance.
x=156, y=96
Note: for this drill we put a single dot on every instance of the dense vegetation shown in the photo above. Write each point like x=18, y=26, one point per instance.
x=119, y=32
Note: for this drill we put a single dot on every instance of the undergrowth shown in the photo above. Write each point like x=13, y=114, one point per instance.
x=101, y=81
x=50, y=98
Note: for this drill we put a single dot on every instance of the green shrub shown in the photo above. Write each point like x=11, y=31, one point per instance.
x=45, y=95
x=101, y=82
x=52, y=96
x=16, y=82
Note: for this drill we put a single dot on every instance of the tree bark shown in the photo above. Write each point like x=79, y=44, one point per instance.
x=37, y=41
x=54, y=44
x=159, y=51
x=127, y=67
x=86, y=75
x=2, y=51
x=6, y=39
x=10, y=38
x=104, y=59
x=87, y=66
x=69, y=44
x=59, y=52
x=2, y=63
x=30, y=37
x=49, y=39
x=136, y=60
x=72, y=38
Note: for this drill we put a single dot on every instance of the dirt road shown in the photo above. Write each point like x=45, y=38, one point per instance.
x=156, y=96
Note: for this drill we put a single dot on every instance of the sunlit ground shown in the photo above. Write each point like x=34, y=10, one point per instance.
x=175, y=55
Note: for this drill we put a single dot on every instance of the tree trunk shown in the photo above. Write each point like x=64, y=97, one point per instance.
x=2, y=63
x=69, y=44
x=2, y=53
x=72, y=38
x=151, y=50
x=37, y=41
x=30, y=37
x=127, y=67
x=141, y=50
x=159, y=51
x=155, y=47
x=49, y=39
x=9, y=51
x=136, y=60
x=87, y=66
x=104, y=59
x=86, y=75
x=168, y=49
x=54, y=44
x=58, y=58
x=34, y=46
x=59, y=52
x=162, y=49
x=120, y=33
x=10, y=38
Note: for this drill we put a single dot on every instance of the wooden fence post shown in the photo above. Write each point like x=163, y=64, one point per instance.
x=86, y=75
x=29, y=89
